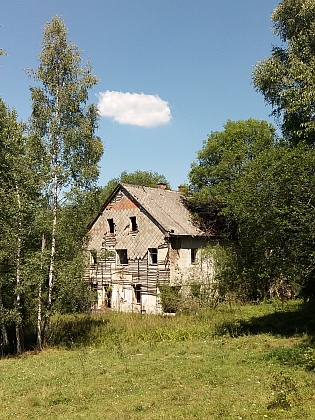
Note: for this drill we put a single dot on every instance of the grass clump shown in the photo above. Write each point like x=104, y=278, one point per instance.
x=284, y=391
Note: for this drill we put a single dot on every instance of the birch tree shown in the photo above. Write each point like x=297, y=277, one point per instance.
x=63, y=126
x=17, y=200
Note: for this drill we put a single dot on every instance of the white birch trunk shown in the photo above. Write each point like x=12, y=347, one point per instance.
x=52, y=261
x=18, y=322
x=39, y=299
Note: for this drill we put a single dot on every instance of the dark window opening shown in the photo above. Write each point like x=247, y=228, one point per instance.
x=111, y=225
x=193, y=255
x=133, y=224
x=137, y=289
x=108, y=295
x=153, y=256
x=93, y=256
x=122, y=256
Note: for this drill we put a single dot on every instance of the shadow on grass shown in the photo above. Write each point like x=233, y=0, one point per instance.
x=75, y=330
x=286, y=322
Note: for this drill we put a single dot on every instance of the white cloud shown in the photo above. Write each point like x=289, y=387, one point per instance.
x=134, y=108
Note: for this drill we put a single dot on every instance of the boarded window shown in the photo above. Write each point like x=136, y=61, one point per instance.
x=111, y=226
x=153, y=256
x=133, y=224
x=193, y=255
x=137, y=289
x=122, y=256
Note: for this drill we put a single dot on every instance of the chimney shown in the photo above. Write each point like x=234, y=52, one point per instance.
x=161, y=185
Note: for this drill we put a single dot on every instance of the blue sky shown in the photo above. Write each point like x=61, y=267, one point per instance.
x=171, y=71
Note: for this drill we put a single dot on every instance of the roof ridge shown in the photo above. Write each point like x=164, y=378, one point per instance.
x=145, y=186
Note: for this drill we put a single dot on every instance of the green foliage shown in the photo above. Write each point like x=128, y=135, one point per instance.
x=266, y=196
x=74, y=294
x=19, y=198
x=2, y=52
x=276, y=218
x=309, y=358
x=62, y=123
x=224, y=158
x=145, y=178
x=225, y=154
x=170, y=298
x=284, y=391
x=286, y=78
x=62, y=130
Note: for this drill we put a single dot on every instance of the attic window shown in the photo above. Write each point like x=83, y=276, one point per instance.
x=111, y=226
x=153, y=256
x=193, y=255
x=122, y=256
x=133, y=224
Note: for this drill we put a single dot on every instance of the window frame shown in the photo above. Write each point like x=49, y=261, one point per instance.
x=153, y=256
x=133, y=224
x=137, y=291
x=122, y=256
x=111, y=226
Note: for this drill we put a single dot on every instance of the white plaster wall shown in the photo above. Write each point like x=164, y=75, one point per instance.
x=184, y=272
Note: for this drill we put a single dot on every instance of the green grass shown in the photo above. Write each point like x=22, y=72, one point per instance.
x=239, y=363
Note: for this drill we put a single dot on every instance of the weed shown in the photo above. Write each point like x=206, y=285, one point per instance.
x=231, y=328
x=309, y=357
x=284, y=391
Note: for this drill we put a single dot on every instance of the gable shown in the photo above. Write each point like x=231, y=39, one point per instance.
x=124, y=224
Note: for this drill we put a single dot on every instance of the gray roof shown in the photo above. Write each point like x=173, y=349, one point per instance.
x=165, y=206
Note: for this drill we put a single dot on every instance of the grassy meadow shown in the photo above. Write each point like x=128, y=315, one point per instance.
x=244, y=362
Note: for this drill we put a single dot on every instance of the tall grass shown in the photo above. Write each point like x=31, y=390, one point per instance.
x=244, y=362
x=108, y=329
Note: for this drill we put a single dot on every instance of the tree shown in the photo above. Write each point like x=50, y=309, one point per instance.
x=62, y=127
x=221, y=161
x=273, y=204
x=19, y=194
x=286, y=78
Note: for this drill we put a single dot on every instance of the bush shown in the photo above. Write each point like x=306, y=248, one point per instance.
x=170, y=298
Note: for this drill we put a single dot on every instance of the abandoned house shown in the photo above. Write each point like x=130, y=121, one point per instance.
x=143, y=238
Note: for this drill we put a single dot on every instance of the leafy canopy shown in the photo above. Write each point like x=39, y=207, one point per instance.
x=224, y=158
x=286, y=78
x=62, y=121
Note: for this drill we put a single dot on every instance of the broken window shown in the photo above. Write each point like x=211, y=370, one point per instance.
x=133, y=224
x=193, y=255
x=137, y=289
x=111, y=226
x=108, y=295
x=153, y=256
x=93, y=256
x=122, y=256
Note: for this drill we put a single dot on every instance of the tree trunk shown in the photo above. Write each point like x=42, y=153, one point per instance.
x=39, y=299
x=18, y=321
x=4, y=333
x=52, y=262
